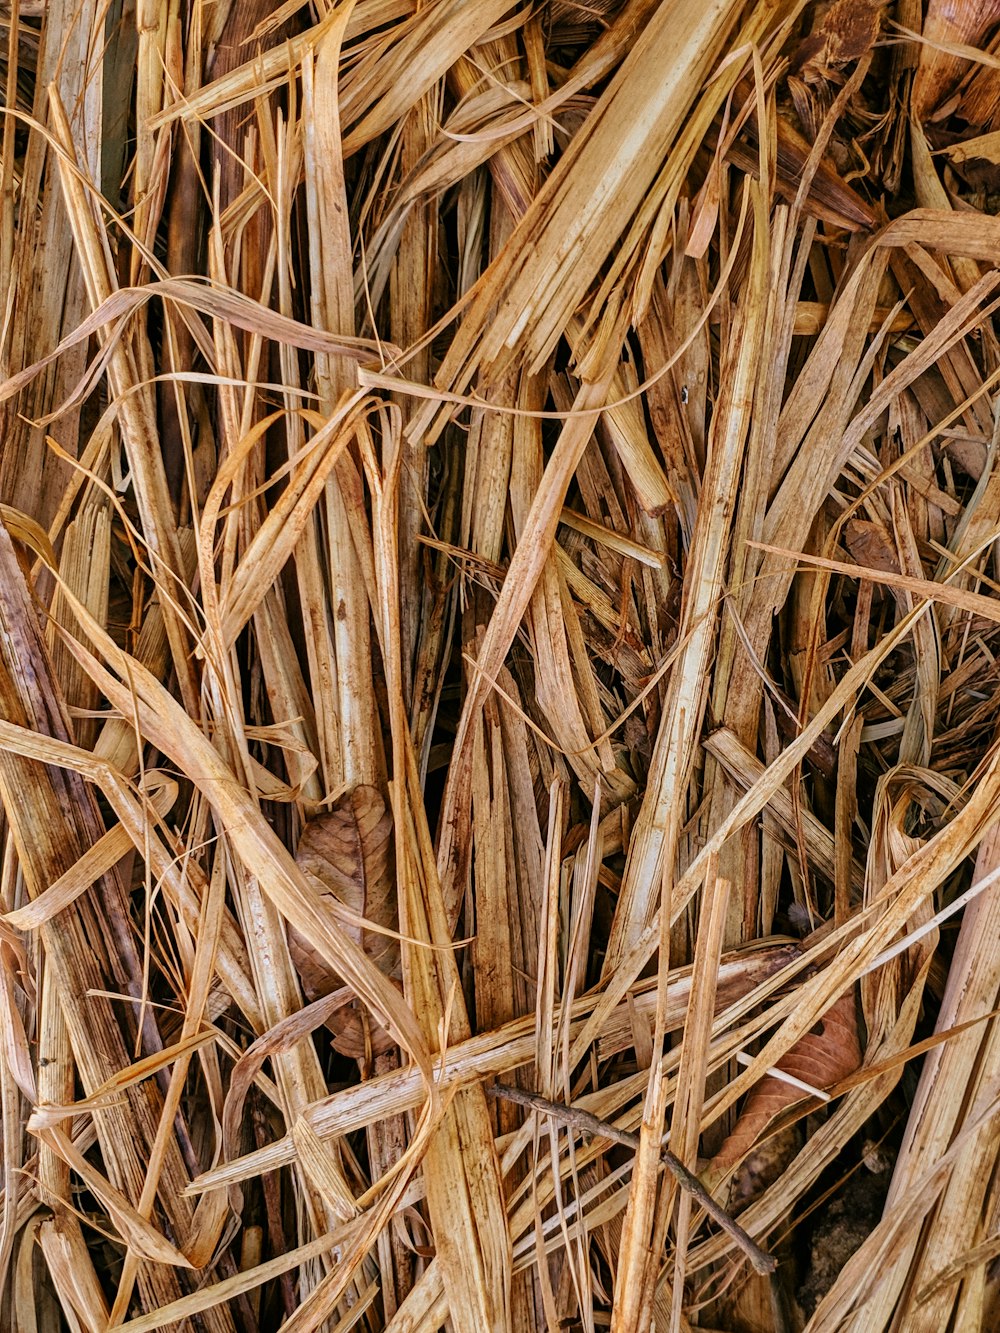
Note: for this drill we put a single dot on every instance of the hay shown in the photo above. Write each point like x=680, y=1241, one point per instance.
x=498, y=687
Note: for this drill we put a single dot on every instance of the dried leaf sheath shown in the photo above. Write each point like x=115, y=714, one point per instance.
x=83, y=955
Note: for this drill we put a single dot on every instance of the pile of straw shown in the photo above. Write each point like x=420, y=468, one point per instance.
x=498, y=665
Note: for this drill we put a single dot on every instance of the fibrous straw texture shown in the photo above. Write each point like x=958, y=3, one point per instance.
x=498, y=665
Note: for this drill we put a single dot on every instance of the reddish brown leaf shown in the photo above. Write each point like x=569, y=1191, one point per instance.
x=825, y=1055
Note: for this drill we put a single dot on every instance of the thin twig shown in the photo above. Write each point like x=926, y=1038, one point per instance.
x=590, y=1124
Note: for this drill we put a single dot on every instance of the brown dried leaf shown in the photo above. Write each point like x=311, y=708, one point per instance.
x=821, y=1058
x=348, y=854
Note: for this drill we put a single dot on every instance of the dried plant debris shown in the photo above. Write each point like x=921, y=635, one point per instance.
x=499, y=620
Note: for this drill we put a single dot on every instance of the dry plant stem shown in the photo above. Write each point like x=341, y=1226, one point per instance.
x=259, y=847
x=688, y=1181
x=497, y=1053
x=54, y=817
x=46, y=295
x=475, y=1243
x=526, y=569
x=137, y=412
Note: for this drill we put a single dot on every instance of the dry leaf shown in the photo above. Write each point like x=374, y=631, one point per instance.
x=348, y=853
x=825, y=1055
